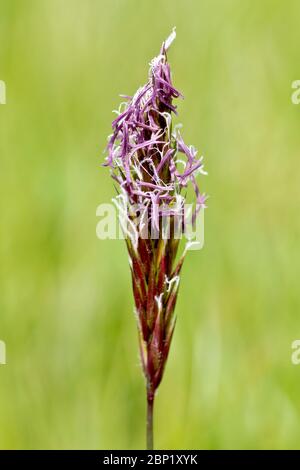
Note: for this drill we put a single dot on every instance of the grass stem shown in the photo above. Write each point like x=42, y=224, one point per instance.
x=150, y=406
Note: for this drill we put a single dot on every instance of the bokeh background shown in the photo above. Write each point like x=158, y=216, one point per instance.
x=72, y=378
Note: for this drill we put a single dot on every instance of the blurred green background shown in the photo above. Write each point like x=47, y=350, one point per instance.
x=73, y=378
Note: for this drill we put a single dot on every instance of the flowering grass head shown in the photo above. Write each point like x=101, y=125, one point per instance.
x=151, y=166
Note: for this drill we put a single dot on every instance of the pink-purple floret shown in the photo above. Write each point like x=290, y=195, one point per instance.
x=142, y=150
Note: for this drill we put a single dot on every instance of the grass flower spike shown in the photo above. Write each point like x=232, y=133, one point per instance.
x=152, y=167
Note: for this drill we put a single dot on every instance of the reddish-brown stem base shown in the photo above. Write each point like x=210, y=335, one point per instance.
x=150, y=405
